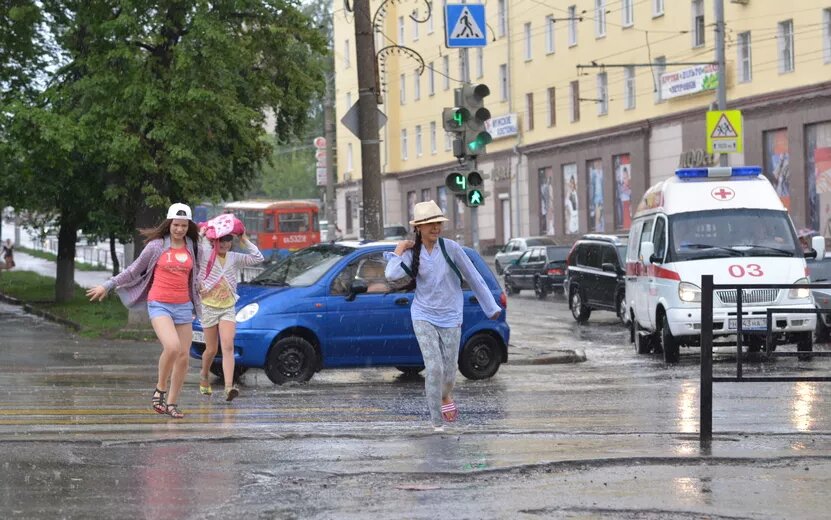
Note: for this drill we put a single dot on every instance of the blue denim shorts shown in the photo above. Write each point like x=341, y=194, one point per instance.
x=180, y=313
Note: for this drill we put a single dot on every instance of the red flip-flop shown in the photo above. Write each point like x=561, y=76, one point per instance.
x=449, y=411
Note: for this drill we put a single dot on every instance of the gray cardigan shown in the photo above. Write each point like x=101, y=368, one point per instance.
x=133, y=284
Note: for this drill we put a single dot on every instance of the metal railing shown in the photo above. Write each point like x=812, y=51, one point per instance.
x=707, y=379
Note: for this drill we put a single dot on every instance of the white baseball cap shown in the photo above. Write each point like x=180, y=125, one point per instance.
x=179, y=211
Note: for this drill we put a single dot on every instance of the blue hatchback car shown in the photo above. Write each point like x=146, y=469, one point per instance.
x=330, y=306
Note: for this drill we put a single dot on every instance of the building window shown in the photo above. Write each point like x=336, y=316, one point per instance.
x=415, y=24
x=347, y=56
x=627, y=13
x=349, y=157
x=572, y=25
x=659, y=67
x=602, y=94
x=348, y=101
x=411, y=202
x=446, y=71
x=416, y=86
x=552, y=106
x=448, y=141
x=826, y=34
x=431, y=80
x=529, y=111
x=574, y=96
x=503, y=82
x=433, y=145
x=431, y=27
x=400, y=29
x=599, y=18
x=402, y=94
x=785, y=38
x=745, y=62
x=698, y=22
x=403, y=144
x=425, y=194
x=657, y=8
x=441, y=198
x=501, y=18
x=418, y=148
x=549, y=34
x=629, y=95
x=527, y=32
x=480, y=62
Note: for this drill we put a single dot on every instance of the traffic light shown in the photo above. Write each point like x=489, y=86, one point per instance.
x=475, y=193
x=454, y=119
x=476, y=136
x=456, y=182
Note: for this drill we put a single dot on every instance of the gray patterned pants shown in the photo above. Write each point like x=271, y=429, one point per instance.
x=440, y=350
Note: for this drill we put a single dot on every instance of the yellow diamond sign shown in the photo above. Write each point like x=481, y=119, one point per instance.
x=724, y=131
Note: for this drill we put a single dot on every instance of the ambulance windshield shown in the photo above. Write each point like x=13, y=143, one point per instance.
x=732, y=232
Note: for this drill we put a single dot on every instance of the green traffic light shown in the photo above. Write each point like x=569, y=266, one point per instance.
x=475, y=198
x=483, y=139
x=458, y=118
x=456, y=182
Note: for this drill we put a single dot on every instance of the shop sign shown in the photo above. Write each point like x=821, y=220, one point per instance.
x=502, y=126
x=696, y=158
x=689, y=81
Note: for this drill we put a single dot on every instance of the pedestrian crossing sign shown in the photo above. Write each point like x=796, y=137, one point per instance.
x=724, y=131
x=464, y=25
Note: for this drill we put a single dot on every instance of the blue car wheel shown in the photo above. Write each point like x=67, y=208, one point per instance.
x=480, y=358
x=291, y=359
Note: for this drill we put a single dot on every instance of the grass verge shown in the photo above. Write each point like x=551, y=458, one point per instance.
x=107, y=319
x=54, y=258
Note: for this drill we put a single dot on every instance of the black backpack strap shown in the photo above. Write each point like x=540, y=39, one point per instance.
x=407, y=269
x=449, y=260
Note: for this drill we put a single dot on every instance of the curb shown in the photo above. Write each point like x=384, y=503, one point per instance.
x=41, y=313
x=554, y=357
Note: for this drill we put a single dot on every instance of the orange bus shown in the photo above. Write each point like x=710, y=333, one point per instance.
x=278, y=227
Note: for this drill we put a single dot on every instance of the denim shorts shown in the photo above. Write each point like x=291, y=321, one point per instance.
x=180, y=313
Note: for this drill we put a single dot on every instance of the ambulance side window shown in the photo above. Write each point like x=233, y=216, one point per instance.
x=634, y=241
x=659, y=238
x=646, y=235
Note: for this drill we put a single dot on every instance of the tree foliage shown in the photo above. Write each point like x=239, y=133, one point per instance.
x=151, y=102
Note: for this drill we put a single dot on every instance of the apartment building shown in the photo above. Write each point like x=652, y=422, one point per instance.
x=592, y=102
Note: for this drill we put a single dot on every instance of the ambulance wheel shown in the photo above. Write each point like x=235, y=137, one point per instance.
x=580, y=312
x=643, y=341
x=805, y=344
x=669, y=344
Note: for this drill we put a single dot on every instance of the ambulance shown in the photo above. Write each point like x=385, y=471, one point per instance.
x=724, y=221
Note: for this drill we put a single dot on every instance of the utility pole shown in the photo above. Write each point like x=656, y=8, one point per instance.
x=722, y=79
x=329, y=135
x=372, y=216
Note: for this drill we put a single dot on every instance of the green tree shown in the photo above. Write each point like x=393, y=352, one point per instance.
x=157, y=101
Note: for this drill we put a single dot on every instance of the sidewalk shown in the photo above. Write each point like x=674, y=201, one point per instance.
x=85, y=279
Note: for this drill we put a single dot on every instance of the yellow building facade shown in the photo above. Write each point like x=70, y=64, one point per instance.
x=592, y=102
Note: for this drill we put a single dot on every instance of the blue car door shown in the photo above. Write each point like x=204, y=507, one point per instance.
x=372, y=328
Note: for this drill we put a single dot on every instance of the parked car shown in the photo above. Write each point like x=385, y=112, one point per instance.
x=542, y=269
x=819, y=271
x=330, y=306
x=514, y=249
x=595, y=276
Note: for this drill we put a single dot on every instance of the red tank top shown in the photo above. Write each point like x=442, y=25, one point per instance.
x=171, y=277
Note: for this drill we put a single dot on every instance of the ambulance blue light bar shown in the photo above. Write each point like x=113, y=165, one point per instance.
x=718, y=172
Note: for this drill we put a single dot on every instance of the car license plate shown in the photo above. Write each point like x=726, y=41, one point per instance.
x=749, y=323
x=198, y=336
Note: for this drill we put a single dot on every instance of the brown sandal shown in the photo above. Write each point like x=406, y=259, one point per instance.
x=174, y=412
x=158, y=403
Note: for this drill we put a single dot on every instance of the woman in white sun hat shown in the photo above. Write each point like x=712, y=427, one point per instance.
x=164, y=278
x=437, y=266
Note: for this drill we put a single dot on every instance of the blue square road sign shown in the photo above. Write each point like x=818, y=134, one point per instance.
x=464, y=25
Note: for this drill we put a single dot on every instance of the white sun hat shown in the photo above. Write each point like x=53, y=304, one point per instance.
x=179, y=211
x=427, y=213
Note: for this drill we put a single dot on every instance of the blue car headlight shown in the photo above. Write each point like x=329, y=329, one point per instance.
x=247, y=312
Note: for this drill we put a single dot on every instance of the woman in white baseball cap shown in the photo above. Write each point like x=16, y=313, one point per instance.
x=164, y=278
x=437, y=266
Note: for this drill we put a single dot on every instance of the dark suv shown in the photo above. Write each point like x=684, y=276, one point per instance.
x=542, y=269
x=595, y=276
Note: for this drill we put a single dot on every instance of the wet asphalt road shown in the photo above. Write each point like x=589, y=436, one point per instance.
x=613, y=437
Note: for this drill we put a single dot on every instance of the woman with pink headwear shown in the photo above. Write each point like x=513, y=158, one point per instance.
x=219, y=270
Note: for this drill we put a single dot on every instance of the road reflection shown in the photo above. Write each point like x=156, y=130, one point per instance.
x=805, y=394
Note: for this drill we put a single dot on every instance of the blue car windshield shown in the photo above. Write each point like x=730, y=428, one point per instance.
x=304, y=267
